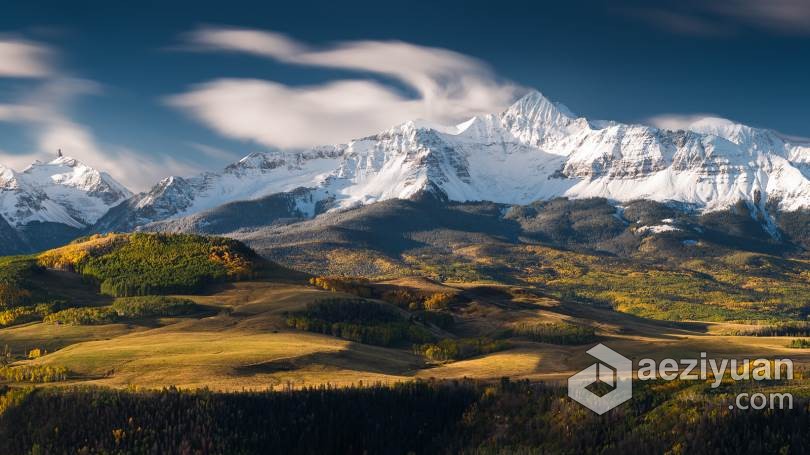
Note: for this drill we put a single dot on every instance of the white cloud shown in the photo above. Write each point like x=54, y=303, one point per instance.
x=782, y=16
x=44, y=114
x=726, y=17
x=281, y=116
x=676, y=122
x=681, y=23
x=19, y=58
x=706, y=123
x=450, y=87
x=137, y=171
x=268, y=44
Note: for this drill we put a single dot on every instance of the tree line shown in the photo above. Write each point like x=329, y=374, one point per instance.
x=418, y=417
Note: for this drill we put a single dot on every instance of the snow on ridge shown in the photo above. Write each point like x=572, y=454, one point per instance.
x=657, y=229
x=63, y=191
x=535, y=149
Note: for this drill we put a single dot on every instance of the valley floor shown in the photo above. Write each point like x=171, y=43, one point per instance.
x=245, y=344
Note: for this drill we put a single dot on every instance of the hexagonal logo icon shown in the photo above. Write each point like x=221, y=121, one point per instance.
x=613, y=369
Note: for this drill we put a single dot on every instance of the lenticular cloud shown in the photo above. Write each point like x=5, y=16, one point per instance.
x=448, y=87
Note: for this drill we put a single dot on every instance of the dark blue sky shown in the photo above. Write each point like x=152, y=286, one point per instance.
x=620, y=60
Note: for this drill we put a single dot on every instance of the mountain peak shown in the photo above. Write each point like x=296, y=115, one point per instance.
x=59, y=161
x=63, y=160
x=536, y=104
x=7, y=177
x=63, y=190
x=534, y=118
x=534, y=112
x=533, y=96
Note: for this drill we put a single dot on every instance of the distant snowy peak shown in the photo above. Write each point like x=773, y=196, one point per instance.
x=69, y=172
x=756, y=140
x=255, y=176
x=169, y=196
x=62, y=191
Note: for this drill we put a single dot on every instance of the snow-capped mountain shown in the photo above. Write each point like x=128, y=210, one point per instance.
x=253, y=177
x=62, y=191
x=536, y=149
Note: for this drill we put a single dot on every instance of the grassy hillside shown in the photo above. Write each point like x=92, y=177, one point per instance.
x=272, y=340
x=495, y=308
x=70, y=282
x=243, y=339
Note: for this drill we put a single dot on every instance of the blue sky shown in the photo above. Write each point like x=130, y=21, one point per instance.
x=155, y=88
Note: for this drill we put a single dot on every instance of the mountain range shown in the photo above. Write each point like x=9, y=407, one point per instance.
x=534, y=150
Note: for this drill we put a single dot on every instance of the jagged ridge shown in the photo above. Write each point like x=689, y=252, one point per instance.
x=534, y=150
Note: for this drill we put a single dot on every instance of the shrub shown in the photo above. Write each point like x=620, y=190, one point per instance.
x=123, y=309
x=20, y=315
x=403, y=298
x=439, y=301
x=555, y=333
x=360, y=287
x=351, y=310
x=153, y=306
x=34, y=373
x=780, y=329
x=800, y=343
x=458, y=349
x=82, y=316
x=357, y=320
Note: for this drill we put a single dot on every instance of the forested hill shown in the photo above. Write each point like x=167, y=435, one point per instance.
x=142, y=264
x=83, y=272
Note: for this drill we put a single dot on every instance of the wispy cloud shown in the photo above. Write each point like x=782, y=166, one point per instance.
x=212, y=152
x=781, y=16
x=725, y=17
x=280, y=116
x=44, y=113
x=680, y=22
x=20, y=58
x=449, y=87
x=676, y=122
x=706, y=123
